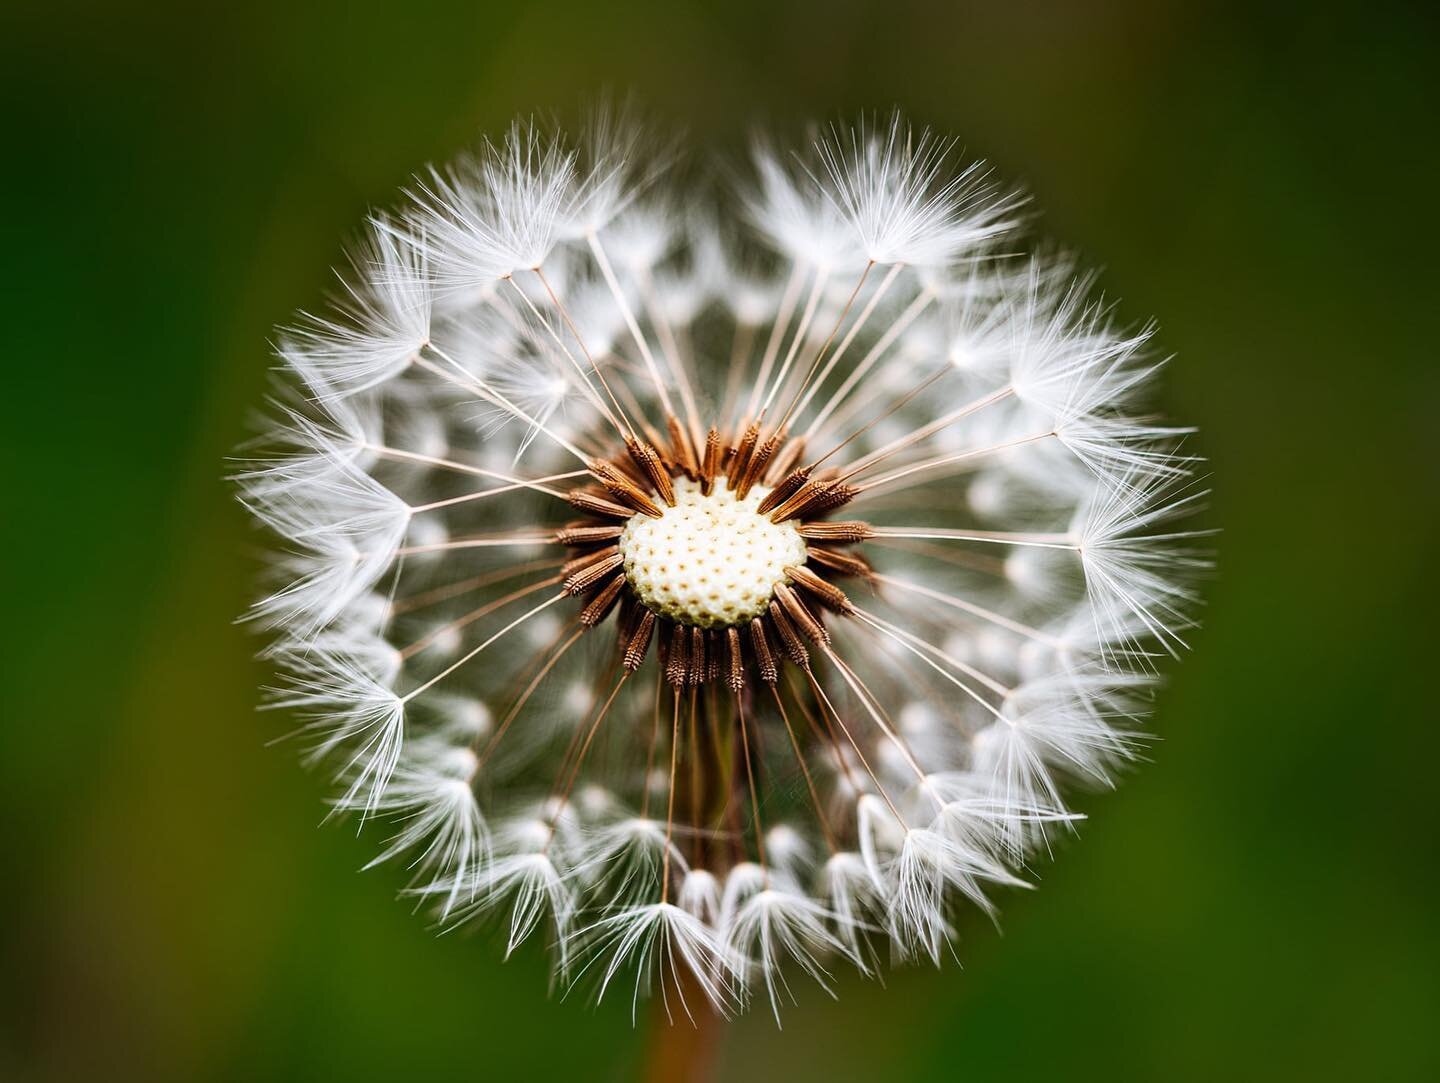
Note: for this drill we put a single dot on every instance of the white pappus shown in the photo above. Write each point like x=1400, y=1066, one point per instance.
x=918, y=553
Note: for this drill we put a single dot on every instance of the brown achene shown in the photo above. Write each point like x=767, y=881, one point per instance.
x=639, y=479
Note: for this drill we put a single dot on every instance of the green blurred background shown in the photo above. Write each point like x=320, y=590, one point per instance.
x=1260, y=902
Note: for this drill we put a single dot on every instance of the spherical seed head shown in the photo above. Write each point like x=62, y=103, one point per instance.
x=711, y=560
x=1012, y=495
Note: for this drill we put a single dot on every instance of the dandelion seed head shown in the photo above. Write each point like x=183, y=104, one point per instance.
x=723, y=586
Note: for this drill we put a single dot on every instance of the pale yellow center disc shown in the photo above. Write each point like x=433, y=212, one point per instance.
x=710, y=560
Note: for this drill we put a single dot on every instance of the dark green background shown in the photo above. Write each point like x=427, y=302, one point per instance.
x=1260, y=902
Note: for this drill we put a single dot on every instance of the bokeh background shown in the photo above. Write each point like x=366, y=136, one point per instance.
x=1259, y=902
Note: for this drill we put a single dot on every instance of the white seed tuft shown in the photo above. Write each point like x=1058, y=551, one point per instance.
x=590, y=690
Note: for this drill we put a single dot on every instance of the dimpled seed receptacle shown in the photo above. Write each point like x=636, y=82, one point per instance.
x=710, y=560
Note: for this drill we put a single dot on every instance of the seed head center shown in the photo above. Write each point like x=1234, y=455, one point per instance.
x=711, y=560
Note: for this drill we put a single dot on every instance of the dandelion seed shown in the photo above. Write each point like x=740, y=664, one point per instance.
x=722, y=591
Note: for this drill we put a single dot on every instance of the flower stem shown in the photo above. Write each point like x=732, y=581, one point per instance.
x=684, y=1048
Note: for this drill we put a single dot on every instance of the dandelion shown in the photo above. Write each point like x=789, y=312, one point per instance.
x=722, y=587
